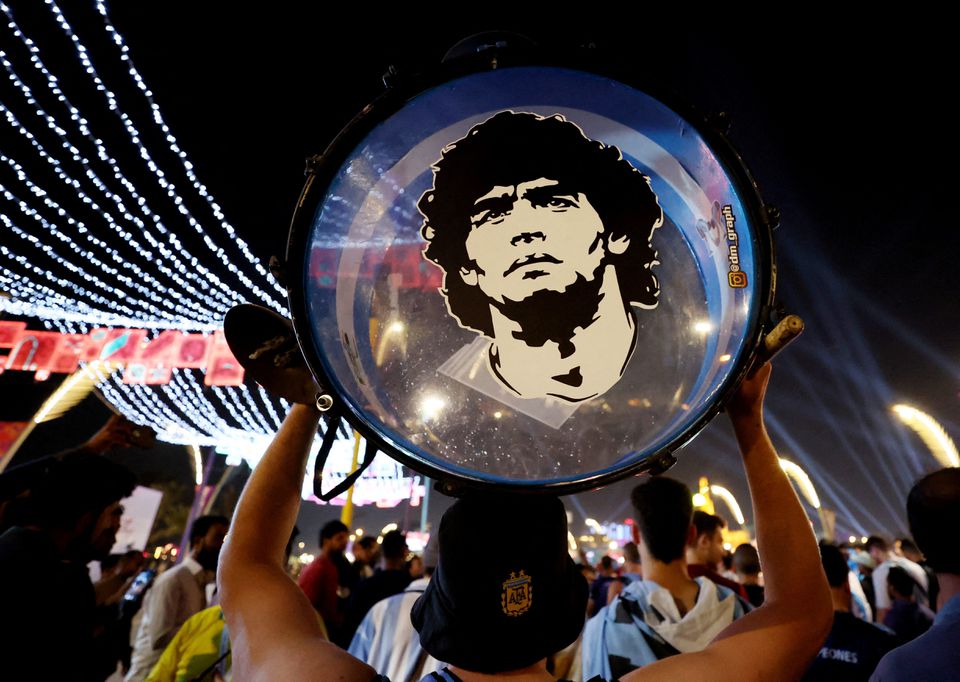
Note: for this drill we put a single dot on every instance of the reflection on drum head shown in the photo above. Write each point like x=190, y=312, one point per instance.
x=530, y=276
x=543, y=236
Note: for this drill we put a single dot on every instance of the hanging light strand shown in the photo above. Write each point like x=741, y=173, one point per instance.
x=176, y=305
x=174, y=146
x=204, y=279
x=135, y=135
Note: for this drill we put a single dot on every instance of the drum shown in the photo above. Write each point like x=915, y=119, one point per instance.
x=529, y=276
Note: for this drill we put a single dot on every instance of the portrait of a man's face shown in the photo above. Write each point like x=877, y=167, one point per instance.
x=533, y=236
x=544, y=239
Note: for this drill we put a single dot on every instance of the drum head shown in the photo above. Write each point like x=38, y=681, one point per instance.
x=529, y=277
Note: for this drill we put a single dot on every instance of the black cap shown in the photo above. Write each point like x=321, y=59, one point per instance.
x=506, y=593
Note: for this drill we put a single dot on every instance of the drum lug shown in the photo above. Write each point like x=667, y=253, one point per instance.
x=311, y=164
x=661, y=464
x=448, y=488
x=278, y=269
x=773, y=216
x=720, y=122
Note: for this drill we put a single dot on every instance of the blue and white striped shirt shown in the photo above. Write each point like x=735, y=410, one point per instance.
x=387, y=641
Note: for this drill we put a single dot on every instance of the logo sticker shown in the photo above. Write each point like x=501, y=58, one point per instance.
x=517, y=596
x=736, y=278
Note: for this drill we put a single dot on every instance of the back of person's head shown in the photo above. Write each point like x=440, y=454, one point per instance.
x=707, y=524
x=876, y=542
x=394, y=545
x=631, y=553
x=367, y=542
x=834, y=565
x=933, y=510
x=901, y=581
x=202, y=525
x=497, y=611
x=330, y=529
x=663, y=508
x=746, y=560
x=908, y=548
x=74, y=486
x=606, y=562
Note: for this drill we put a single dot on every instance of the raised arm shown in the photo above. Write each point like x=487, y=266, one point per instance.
x=274, y=630
x=778, y=640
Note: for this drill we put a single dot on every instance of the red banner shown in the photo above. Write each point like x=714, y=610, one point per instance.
x=145, y=362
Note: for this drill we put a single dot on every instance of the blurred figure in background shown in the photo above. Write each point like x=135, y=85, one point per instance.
x=320, y=579
x=746, y=562
x=705, y=551
x=854, y=647
x=908, y=549
x=392, y=578
x=366, y=555
x=861, y=583
x=117, y=572
x=906, y=617
x=880, y=552
x=630, y=572
x=177, y=594
x=415, y=567
x=70, y=518
x=667, y=612
x=386, y=639
x=933, y=510
x=112, y=628
x=606, y=576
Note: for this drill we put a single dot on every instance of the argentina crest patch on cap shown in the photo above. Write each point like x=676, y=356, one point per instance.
x=517, y=596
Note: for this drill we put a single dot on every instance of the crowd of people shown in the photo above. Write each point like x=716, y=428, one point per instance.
x=676, y=604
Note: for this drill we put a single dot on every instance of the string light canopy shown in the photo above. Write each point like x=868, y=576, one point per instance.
x=110, y=227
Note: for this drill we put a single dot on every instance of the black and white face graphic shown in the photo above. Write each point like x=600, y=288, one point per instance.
x=533, y=236
x=544, y=239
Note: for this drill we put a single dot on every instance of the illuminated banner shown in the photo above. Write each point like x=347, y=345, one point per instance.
x=144, y=362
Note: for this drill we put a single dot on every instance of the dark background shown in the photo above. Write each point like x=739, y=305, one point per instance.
x=846, y=130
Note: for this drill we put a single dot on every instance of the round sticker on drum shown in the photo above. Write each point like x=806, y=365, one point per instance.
x=531, y=276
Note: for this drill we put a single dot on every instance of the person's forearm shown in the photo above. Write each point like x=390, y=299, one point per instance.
x=268, y=508
x=787, y=546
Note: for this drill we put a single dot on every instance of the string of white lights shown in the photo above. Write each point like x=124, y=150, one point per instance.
x=150, y=399
x=236, y=411
x=102, y=154
x=59, y=307
x=62, y=284
x=161, y=285
x=255, y=410
x=128, y=237
x=181, y=393
x=204, y=276
x=174, y=146
x=127, y=408
x=265, y=399
x=201, y=412
x=229, y=401
x=98, y=265
x=106, y=215
x=168, y=186
x=173, y=299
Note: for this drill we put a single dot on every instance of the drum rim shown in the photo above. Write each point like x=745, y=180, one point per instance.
x=322, y=169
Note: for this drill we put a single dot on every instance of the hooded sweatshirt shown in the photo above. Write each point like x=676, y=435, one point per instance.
x=643, y=625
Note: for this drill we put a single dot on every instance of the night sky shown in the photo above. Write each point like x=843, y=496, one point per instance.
x=846, y=131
